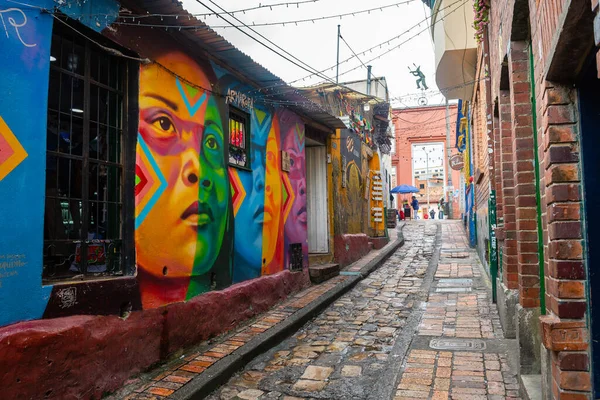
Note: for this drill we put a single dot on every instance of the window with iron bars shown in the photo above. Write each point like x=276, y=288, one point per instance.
x=239, y=138
x=87, y=159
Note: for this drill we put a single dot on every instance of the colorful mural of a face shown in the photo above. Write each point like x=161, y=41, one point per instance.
x=292, y=132
x=272, y=221
x=250, y=215
x=182, y=187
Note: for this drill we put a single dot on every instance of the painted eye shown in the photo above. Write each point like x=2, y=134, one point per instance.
x=211, y=143
x=292, y=162
x=165, y=124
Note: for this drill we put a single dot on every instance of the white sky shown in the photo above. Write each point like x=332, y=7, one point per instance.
x=436, y=154
x=315, y=43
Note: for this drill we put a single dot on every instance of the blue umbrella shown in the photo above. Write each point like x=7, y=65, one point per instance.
x=404, y=189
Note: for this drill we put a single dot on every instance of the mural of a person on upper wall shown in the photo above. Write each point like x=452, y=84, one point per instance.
x=296, y=228
x=184, y=221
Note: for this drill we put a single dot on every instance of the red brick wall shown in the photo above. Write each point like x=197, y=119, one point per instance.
x=523, y=167
x=509, y=251
x=564, y=327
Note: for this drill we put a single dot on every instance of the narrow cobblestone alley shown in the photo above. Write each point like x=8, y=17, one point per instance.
x=421, y=326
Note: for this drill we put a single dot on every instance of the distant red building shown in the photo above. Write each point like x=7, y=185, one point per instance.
x=424, y=126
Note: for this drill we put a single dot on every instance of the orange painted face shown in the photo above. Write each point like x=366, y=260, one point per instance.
x=181, y=129
x=272, y=210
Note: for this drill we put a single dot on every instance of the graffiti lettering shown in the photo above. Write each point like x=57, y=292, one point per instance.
x=239, y=99
x=67, y=296
x=9, y=263
x=14, y=24
x=12, y=261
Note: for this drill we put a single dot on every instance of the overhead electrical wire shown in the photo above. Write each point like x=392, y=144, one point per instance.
x=261, y=24
x=301, y=64
x=404, y=42
x=353, y=52
x=370, y=49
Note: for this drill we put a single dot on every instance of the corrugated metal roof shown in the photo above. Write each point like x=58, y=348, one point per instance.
x=223, y=51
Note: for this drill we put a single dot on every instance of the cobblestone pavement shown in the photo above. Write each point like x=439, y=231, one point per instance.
x=341, y=353
x=422, y=326
x=469, y=357
x=167, y=379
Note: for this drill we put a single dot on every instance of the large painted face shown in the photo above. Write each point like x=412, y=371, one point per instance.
x=181, y=127
x=296, y=225
x=272, y=210
x=249, y=219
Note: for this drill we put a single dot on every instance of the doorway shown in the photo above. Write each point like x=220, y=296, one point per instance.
x=589, y=109
x=316, y=199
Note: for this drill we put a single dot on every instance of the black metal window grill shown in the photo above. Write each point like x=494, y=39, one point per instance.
x=239, y=138
x=296, y=256
x=83, y=229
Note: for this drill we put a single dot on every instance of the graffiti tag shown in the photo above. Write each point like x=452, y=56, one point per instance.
x=67, y=297
x=239, y=99
x=12, y=22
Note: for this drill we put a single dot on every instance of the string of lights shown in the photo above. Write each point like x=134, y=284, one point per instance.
x=147, y=61
x=243, y=11
x=127, y=14
x=261, y=24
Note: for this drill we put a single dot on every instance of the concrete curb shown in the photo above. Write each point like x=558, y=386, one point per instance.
x=217, y=374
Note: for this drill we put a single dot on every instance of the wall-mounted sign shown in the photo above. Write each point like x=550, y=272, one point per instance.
x=457, y=162
x=285, y=161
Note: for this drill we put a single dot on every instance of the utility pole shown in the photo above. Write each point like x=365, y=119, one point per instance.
x=447, y=161
x=337, y=64
x=368, y=80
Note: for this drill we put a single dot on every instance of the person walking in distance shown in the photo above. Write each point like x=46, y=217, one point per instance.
x=415, y=206
x=432, y=213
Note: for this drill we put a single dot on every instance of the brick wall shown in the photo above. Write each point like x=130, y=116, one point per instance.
x=566, y=271
x=523, y=168
x=564, y=327
x=509, y=250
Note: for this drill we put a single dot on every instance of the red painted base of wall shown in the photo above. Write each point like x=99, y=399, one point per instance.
x=350, y=248
x=379, y=242
x=84, y=357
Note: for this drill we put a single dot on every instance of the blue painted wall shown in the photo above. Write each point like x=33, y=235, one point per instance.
x=25, y=60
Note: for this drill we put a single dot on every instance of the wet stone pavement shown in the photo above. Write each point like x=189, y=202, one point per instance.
x=422, y=326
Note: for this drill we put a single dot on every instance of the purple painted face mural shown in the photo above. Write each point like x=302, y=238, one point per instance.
x=292, y=132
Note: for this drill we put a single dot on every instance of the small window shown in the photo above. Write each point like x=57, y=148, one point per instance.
x=422, y=186
x=239, y=135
